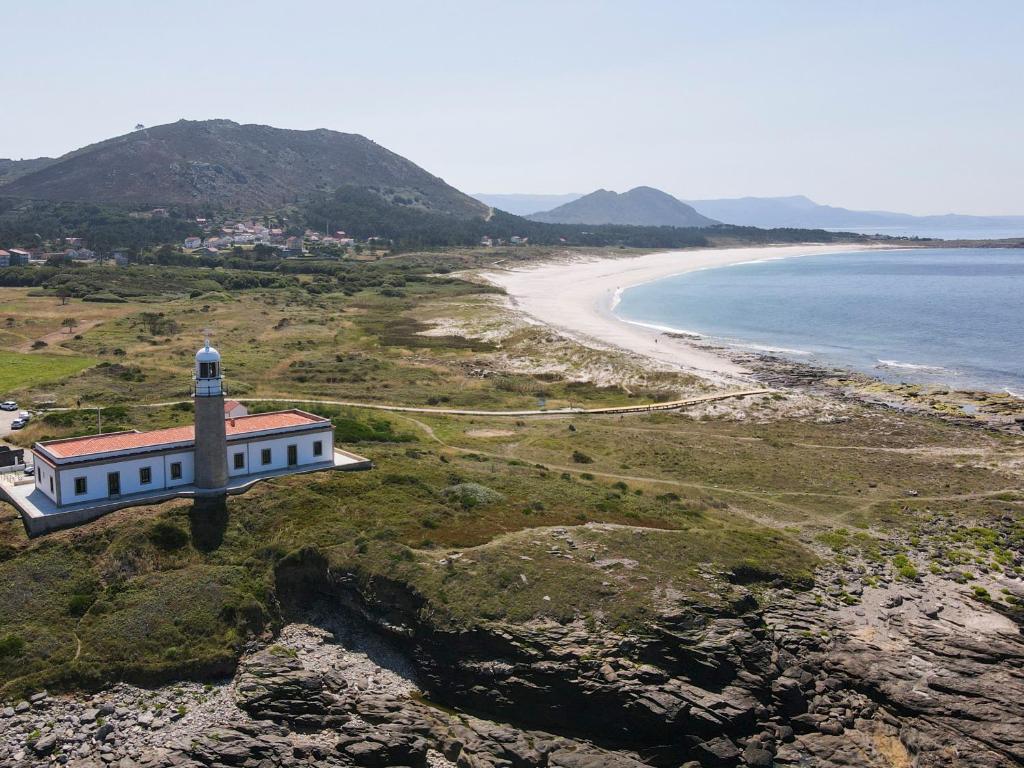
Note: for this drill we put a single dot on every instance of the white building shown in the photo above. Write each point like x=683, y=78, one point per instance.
x=226, y=450
x=119, y=464
x=193, y=242
x=233, y=409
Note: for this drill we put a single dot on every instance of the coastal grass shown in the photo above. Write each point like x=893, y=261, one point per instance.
x=483, y=517
x=21, y=371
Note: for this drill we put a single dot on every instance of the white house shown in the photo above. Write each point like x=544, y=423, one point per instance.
x=193, y=242
x=233, y=409
x=226, y=450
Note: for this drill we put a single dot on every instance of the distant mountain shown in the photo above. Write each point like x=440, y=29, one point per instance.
x=15, y=169
x=248, y=167
x=523, y=205
x=642, y=206
x=800, y=211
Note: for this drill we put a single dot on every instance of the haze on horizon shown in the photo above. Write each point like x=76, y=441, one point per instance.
x=908, y=107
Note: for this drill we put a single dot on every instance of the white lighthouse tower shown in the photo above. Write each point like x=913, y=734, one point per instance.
x=211, y=456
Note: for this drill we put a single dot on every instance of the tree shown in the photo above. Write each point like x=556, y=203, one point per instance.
x=63, y=294
x=69, y=323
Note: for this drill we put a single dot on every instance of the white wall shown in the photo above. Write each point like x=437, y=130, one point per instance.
x=96, y=476
x=43, y=477
x=279, y=452
x=188, y=474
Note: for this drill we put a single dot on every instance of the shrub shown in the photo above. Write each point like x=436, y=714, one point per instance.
x=470, y=495
x=905, y=567
x=79, y=604
x=105, y=298
x=167, y=536
x=581, y=458
x=11, y=647
x=38, y=344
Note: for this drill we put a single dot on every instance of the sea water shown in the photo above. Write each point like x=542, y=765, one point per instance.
x=942, y=316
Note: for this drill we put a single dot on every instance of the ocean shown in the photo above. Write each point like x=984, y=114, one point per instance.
x=942, y=316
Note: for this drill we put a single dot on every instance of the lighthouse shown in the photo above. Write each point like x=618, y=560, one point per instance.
x=211, y=457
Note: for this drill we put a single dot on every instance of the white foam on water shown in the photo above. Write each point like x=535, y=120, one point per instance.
x=912, y=366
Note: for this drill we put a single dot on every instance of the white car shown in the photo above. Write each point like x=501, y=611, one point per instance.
x=8, y=405
x=24, y=415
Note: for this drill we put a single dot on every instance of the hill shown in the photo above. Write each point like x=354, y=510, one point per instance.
x=801, y=211
x=248, y=167
x=642, y=206
x=525, y=204
x=15, y=169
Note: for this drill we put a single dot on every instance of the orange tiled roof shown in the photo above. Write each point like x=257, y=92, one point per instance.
x=126, y=441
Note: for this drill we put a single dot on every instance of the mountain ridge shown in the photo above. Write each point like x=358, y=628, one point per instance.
x=801, y=211
x=525, y=204
x=640, y=206
x=246, y=166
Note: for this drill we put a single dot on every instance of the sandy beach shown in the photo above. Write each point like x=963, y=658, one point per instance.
x=577, y=297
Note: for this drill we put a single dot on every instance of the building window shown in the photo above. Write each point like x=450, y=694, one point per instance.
x=265, y=456
x=175, y=470
x=318, y=448
x=145, y=475
x=81, y=486
x=207, y=370
x=240, y=461
x=51, y=483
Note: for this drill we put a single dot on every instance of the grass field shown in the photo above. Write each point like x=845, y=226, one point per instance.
x=20, y=371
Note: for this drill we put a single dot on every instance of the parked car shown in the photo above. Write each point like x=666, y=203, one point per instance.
x=18, y=424
x=24, y=415
x=8, y=405
x=30, y=470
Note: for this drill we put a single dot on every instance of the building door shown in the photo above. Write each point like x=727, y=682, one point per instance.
x=293, y=455
x=113, y=484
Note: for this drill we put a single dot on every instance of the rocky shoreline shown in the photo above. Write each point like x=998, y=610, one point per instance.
x=859, y=671
x=969, y=408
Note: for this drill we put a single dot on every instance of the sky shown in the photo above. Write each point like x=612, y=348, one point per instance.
x=907, y=105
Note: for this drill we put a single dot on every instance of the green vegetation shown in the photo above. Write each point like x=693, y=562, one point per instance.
x=27, y=223
x=904, y=567
x=365, y=213
x=22, y=370
x=602, y=519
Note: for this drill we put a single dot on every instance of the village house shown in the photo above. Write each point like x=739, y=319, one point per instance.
x=193, y=242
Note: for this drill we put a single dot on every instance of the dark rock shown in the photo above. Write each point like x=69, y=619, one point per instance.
x=831, y=727
x=717, y=752
x=757, y=757
x=44, y=745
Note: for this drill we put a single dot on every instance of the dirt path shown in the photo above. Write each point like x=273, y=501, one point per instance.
x=669, y=406
x=56, y=337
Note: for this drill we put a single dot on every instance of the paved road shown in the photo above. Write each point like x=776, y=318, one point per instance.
x=6, y=417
